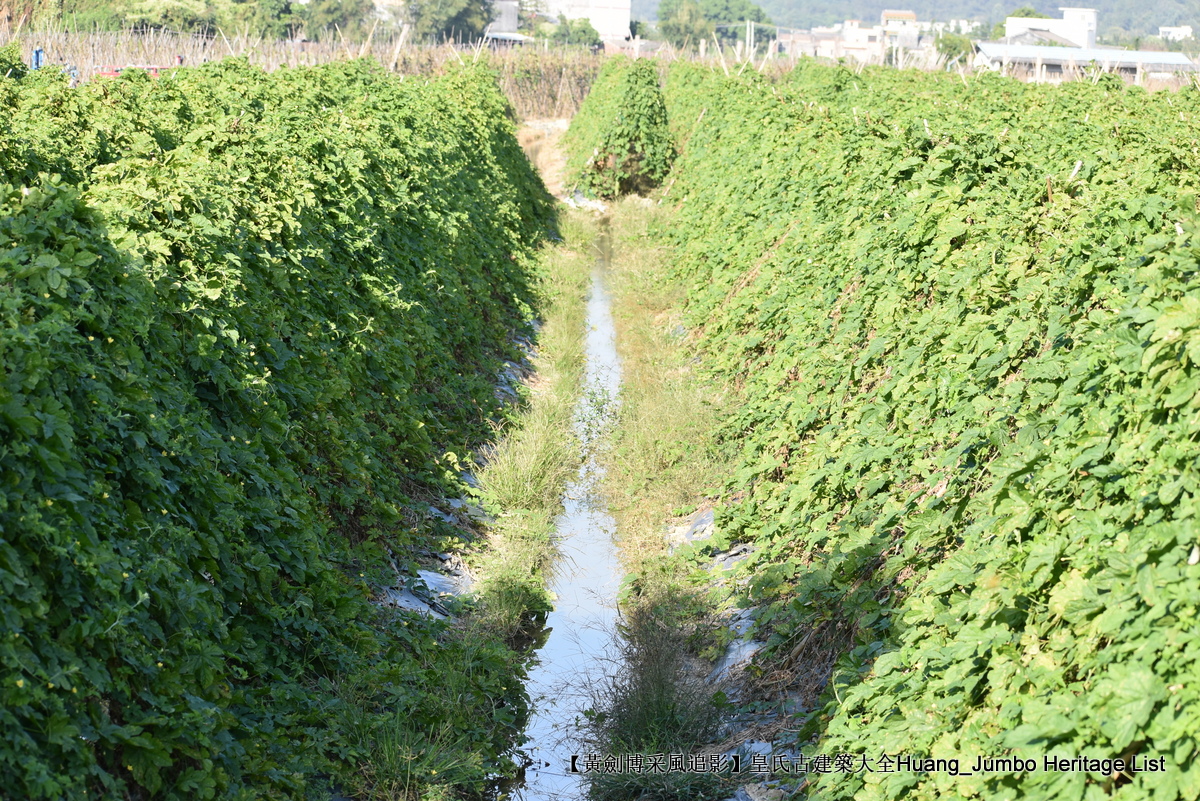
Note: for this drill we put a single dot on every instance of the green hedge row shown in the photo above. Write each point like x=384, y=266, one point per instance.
x=242, y=318
x=963, y=320
x=619, y=142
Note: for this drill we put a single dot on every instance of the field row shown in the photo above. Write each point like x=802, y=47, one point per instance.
x=960, y=319
x=247, y=321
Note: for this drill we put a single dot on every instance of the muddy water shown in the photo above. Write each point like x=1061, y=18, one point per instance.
x=587, y=576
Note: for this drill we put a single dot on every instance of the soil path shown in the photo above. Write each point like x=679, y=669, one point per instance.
x=540, y=139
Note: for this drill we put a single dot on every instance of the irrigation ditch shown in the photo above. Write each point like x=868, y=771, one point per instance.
x=586, y=572
x=631, y=661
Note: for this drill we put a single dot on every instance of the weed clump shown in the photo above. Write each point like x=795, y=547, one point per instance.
x=654, y=704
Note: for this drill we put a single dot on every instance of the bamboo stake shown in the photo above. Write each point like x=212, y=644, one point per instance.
x=724, y=68
x=362, y=51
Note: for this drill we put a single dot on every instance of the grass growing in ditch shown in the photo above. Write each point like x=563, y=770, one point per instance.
x=653, y=705
x=406, y=729
x=415, y=729
x=522, y=480
x=662, y=459
x=662, y=463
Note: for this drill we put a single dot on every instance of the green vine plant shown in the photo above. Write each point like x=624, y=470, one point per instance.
x=962, y=318
x=619, y=142
x=242, y=316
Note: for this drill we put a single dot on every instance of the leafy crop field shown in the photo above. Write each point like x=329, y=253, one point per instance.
x=619, y=141
x=247, y=321
x=962, y=317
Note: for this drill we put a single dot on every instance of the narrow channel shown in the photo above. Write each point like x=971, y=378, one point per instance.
x=587, y=574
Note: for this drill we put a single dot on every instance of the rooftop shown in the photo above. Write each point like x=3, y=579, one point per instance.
x=1084, y=55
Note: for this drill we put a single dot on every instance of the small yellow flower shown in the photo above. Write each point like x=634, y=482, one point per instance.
x=74, y=691
x=20, y=683
x=50, y=685
x=124, y=575
x=105, y=495
x=160, y=664
x=151, y=417
x=110, y=339
x=91, y=339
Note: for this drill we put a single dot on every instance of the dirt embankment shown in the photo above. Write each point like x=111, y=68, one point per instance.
x=540, y=139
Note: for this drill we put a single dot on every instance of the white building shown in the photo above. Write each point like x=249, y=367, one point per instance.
x=1077, y=27
x=506, y=16
x=1175, y=33
x=1054, y=64
x=610, y=18
x=898, y=20
x=960, y=26
x=863, y=44
x=899, y=37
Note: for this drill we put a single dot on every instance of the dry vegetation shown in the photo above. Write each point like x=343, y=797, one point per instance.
x=662, y=460
x=540, y=83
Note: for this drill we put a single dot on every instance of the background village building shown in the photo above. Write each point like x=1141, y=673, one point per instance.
x=900, y=29
x=610, y=18
x=863, y=44
x=1048, y=64
x=507, y=16
x=1077, y=28
x=898, y=36
x=958, y=26
x=1175, y=33
x=1054, y=50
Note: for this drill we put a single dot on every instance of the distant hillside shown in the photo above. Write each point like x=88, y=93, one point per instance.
x=1135, y=16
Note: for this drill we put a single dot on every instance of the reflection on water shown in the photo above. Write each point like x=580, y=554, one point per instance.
x=587, y=577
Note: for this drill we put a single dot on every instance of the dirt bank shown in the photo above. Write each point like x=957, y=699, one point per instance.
x=540, y=139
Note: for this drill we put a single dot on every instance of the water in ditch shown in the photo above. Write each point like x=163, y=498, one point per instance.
x=587, y=576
